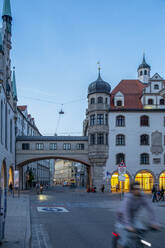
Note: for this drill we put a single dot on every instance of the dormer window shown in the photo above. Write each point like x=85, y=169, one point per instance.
x=119, y=103
x=162, y=102
x=150, y=101
x=100, y=99
x=92, y=100
x=156, y=87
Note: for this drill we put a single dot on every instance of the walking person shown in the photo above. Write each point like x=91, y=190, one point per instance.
x=11, y=188
x=154, y=194
x=102, y=188
x=161, y=194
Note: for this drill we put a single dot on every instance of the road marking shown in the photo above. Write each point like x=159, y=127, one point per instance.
x=52, y=209
x=40, y=238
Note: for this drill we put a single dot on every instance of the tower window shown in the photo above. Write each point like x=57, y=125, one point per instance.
x=119, y=103
x=141, y=73
x=92, y=100
x=100, y=99
x=150, y=101
x=156, y=87
x=145, y=72
x=106, y=100
x=162, y=102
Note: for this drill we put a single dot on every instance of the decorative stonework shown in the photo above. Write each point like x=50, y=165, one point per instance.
x=156, y=142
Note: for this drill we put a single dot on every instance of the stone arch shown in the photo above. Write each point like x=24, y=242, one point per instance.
x=146, y=178
x=11, y=175
x=116, y=185
x=162, y=179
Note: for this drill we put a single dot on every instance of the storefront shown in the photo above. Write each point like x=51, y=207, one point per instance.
x=145, y=179
x=116, y=185
x=162, y=180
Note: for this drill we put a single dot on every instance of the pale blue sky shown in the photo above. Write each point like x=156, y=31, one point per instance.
x=56, y=46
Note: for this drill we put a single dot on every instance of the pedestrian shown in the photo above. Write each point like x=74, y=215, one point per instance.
x=11, y=188
x=37, y=188
x=161, y=194
x=154, y=194
x=117, y=187
x=102, y=188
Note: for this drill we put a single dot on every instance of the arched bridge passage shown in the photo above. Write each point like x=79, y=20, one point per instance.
x=20, y=165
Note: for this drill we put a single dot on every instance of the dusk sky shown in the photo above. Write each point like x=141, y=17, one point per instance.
x=56, y=46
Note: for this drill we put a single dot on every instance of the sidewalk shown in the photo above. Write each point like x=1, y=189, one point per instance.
x=17, y=227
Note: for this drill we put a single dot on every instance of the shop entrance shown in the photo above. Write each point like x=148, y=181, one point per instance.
x=116, y=185
x=162, y=180
x=145, y=179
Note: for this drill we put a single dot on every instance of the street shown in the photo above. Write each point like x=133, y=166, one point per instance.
x=88, y=222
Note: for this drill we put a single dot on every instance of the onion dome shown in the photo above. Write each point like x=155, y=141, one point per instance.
x=144, y=65
x=99, y=86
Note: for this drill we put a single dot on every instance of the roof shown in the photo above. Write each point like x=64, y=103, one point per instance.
x=6, y=8
x=22, y=108
x=132, y=91
x=144, y=65
x=52, y=138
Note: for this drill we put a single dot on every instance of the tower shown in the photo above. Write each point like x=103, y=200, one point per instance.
x=98, y=128
x=144, y=71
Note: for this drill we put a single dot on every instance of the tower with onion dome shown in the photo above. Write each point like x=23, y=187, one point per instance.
x=98, y=127
x=144, y=71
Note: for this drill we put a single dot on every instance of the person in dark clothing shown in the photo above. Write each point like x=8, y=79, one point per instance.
x=11, y=188
x=161, y=194
x=154, y=194
x=102, y=188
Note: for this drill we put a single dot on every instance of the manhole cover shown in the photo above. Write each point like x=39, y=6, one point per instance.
x=52, y=210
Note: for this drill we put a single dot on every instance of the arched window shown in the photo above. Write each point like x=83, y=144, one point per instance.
x=100, y=99
x=141, y=73
x=120, y=121
x=145, y=72
x=144, y=120
x=120, y=139
x=144, y=158
x=162, y=102
x=156, y=87
x=150, y=101
x=92, y=100
x=119, y=103
x=144, y=139
x=120, y=157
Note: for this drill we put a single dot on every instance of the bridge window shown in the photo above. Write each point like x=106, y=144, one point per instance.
x=92, y=139
x=100, y=139
x=92, y=120
x=25, y=146
x=67, y=146
x=100, y=119
x=80, y=146
x=53, y=146
x=39, y=146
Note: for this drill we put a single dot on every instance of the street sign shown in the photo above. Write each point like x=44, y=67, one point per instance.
x=52, y=210
x=16, y=179
x=122, y=178
x=122, y=168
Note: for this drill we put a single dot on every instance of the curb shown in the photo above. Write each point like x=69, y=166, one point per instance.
x=27, y=243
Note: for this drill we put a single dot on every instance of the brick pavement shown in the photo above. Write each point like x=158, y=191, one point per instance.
x=17, y=226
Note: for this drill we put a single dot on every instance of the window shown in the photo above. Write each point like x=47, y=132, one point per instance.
x=80, y=146
x=120, y=140
x=39, y=146
x=92, y=120
x=92, y=139
x=144, y=139
x=100, y=139
x=150, y=101
x=119, y=103
x=156, y=87
x=120, y=157
x=67, y=146
x=106, y=137
x=92, y=100
x=162, y=102
x=100, y=119
x=141, y=73
x=100, y=99
x=144, y=158
x=106, y=100
x=25, y=146
x=120, y=121
x=106, y=119
x=145, y=72
x=144, y=120
x=52, y=146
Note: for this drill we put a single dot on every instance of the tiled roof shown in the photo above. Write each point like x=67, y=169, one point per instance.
x=22, y=108
x=132, y=91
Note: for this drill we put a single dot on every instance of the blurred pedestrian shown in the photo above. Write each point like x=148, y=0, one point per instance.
x=154, y=194
x=11, y=188
x=103, y=188
x=161, y=194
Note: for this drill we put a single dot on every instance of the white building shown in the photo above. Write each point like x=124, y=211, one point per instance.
x=137, y=130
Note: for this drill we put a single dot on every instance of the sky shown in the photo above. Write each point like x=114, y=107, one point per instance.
x=56, y=46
